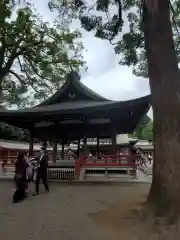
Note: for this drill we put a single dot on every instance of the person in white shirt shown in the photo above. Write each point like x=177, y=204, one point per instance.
x=30, y=171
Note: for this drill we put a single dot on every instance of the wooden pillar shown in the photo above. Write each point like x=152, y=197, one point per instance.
x=78, y=148
x=98, y=152
x=113, y=137
x=114, y=144
x=85, y=153
x=9, y=156
x=31, y=143
x=62, y=150
x=54, y=154
x=85, y=146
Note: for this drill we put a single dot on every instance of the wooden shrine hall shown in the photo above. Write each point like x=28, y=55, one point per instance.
x=74, y=113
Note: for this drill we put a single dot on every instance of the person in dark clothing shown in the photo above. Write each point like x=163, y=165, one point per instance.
x=20, y=178
x=42, y=171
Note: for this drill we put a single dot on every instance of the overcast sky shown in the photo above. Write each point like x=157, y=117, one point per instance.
x=104, y=74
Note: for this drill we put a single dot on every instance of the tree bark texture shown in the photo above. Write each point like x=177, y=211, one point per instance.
x=164, y=80
x=2, y=76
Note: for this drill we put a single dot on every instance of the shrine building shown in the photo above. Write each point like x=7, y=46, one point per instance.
x=74, y=114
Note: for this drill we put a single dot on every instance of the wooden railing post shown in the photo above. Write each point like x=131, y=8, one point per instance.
x=78, y=164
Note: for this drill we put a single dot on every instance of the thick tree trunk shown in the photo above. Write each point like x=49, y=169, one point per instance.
x=164, y=80
x=1, y=91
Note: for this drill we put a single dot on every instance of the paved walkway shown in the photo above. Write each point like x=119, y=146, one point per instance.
x=64, y=213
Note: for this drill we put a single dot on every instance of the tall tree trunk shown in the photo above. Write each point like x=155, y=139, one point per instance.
x=164, y=80
x=2, y=76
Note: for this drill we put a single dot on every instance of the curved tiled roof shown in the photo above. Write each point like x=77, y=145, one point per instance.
x=77, y=102
x=77, y=107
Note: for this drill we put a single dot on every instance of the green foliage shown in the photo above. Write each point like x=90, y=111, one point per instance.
x=8, y=132
x=34, y=55
x=144, y=129
x=147, y=132
x=106, y=19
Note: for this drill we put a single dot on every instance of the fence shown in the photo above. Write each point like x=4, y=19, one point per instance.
x=70, y=170
x=105, y=163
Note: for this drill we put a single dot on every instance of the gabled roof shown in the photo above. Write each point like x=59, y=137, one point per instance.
x=73, y=90
x=79, y=107
x=126, y=115
x=74, y=101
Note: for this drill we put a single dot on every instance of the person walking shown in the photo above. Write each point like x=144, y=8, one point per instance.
x=20, y=178
x=41, y=173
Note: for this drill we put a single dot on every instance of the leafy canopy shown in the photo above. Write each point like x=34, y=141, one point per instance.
x=34, y=55
x=8, y=132
x=119, y=22
x=144, y=130
x=147, y=132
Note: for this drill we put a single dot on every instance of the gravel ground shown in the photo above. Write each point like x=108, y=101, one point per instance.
x=65, y=213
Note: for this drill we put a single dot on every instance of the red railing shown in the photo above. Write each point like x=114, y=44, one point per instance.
x=122, y=160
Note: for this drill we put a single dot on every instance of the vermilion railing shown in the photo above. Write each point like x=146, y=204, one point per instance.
x=122, y=160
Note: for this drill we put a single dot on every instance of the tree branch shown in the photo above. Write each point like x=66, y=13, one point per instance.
x=17, y=76
x=14, y=54
x=28, y=77
x=34, y=69
x=2, y=51
x=21, y=67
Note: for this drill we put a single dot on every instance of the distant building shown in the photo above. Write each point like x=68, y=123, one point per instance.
x=9, y=149
x=146, y=146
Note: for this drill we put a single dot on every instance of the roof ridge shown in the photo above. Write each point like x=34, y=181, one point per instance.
x=78, y=81
x=74, y=79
